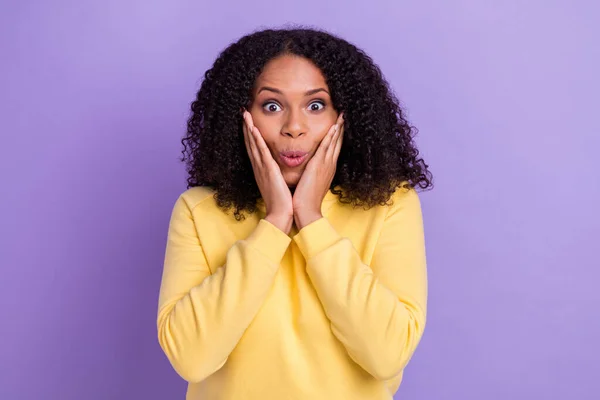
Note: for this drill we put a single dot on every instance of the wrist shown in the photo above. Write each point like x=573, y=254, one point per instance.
x=305, y=218
x=282, y=222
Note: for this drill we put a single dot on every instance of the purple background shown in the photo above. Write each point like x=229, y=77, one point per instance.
x=93, y=103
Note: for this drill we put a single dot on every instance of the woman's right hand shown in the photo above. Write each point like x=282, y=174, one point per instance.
x=272, y=186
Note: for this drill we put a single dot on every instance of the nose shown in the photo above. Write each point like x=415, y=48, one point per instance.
x=294, y=125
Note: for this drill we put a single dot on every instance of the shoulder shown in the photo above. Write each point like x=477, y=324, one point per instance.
x=195, y=196
x=405, y=197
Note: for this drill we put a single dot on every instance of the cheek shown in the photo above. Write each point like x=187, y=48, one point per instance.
x=268, y=133
x=319, y=135
x=324, y=126
x=270, y=144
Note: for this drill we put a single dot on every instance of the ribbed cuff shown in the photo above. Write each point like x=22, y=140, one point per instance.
x=269, y=240
x=316, y=237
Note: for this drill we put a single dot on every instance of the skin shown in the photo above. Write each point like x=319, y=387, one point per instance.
x=289, y=112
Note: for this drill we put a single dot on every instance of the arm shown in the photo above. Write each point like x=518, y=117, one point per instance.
x=378, y=311
x=202, y=316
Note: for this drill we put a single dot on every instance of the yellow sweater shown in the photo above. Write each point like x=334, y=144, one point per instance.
x=334, y=311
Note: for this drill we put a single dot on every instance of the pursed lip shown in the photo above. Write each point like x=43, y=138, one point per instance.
x=293, y=158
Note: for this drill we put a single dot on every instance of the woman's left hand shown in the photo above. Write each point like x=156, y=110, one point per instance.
x=317, y=177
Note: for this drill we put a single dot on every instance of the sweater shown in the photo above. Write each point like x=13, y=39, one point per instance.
x=333, y=311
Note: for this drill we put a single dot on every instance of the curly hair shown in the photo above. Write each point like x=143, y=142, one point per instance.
x=378, y=154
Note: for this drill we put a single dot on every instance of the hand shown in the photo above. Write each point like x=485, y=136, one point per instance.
x=272, y=186
x=317, y=177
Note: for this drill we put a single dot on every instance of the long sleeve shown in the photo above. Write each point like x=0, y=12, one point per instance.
x=377, y=311
x=202, y=314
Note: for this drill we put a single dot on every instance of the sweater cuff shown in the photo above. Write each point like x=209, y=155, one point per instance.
x=316, y=237
x=269, y=241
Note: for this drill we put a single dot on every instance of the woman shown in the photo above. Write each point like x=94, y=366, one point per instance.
x=295, y=261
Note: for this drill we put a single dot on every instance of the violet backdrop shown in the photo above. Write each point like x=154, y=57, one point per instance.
x=505, y=95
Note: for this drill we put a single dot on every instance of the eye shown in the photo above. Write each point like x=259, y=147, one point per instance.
x=314, y=106
x=272, y=106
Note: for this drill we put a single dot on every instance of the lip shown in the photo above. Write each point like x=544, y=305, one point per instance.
x=293, y=158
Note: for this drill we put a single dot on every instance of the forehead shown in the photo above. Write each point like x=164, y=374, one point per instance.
x=291, y=74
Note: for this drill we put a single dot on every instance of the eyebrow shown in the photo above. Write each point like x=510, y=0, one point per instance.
x=308, y=93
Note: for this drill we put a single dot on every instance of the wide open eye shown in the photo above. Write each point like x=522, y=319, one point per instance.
x=316, y=106
x=271, y=106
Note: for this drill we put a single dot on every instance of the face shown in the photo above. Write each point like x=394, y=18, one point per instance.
x=293, y=111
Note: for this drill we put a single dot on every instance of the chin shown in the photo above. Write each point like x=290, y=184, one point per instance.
x=291, y=179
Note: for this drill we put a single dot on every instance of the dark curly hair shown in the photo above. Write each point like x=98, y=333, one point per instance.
x=378, y=154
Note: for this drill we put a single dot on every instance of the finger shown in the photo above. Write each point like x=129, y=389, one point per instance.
x=245, y=131
x=331, y=145
x=322, y=149
x=338, y=143
x=256, y=153
x=256, y=137
x=247, y=143
x=262, y=146
x=249, y=119
x=253, y=152
x=245, y=134
x=332, y=141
